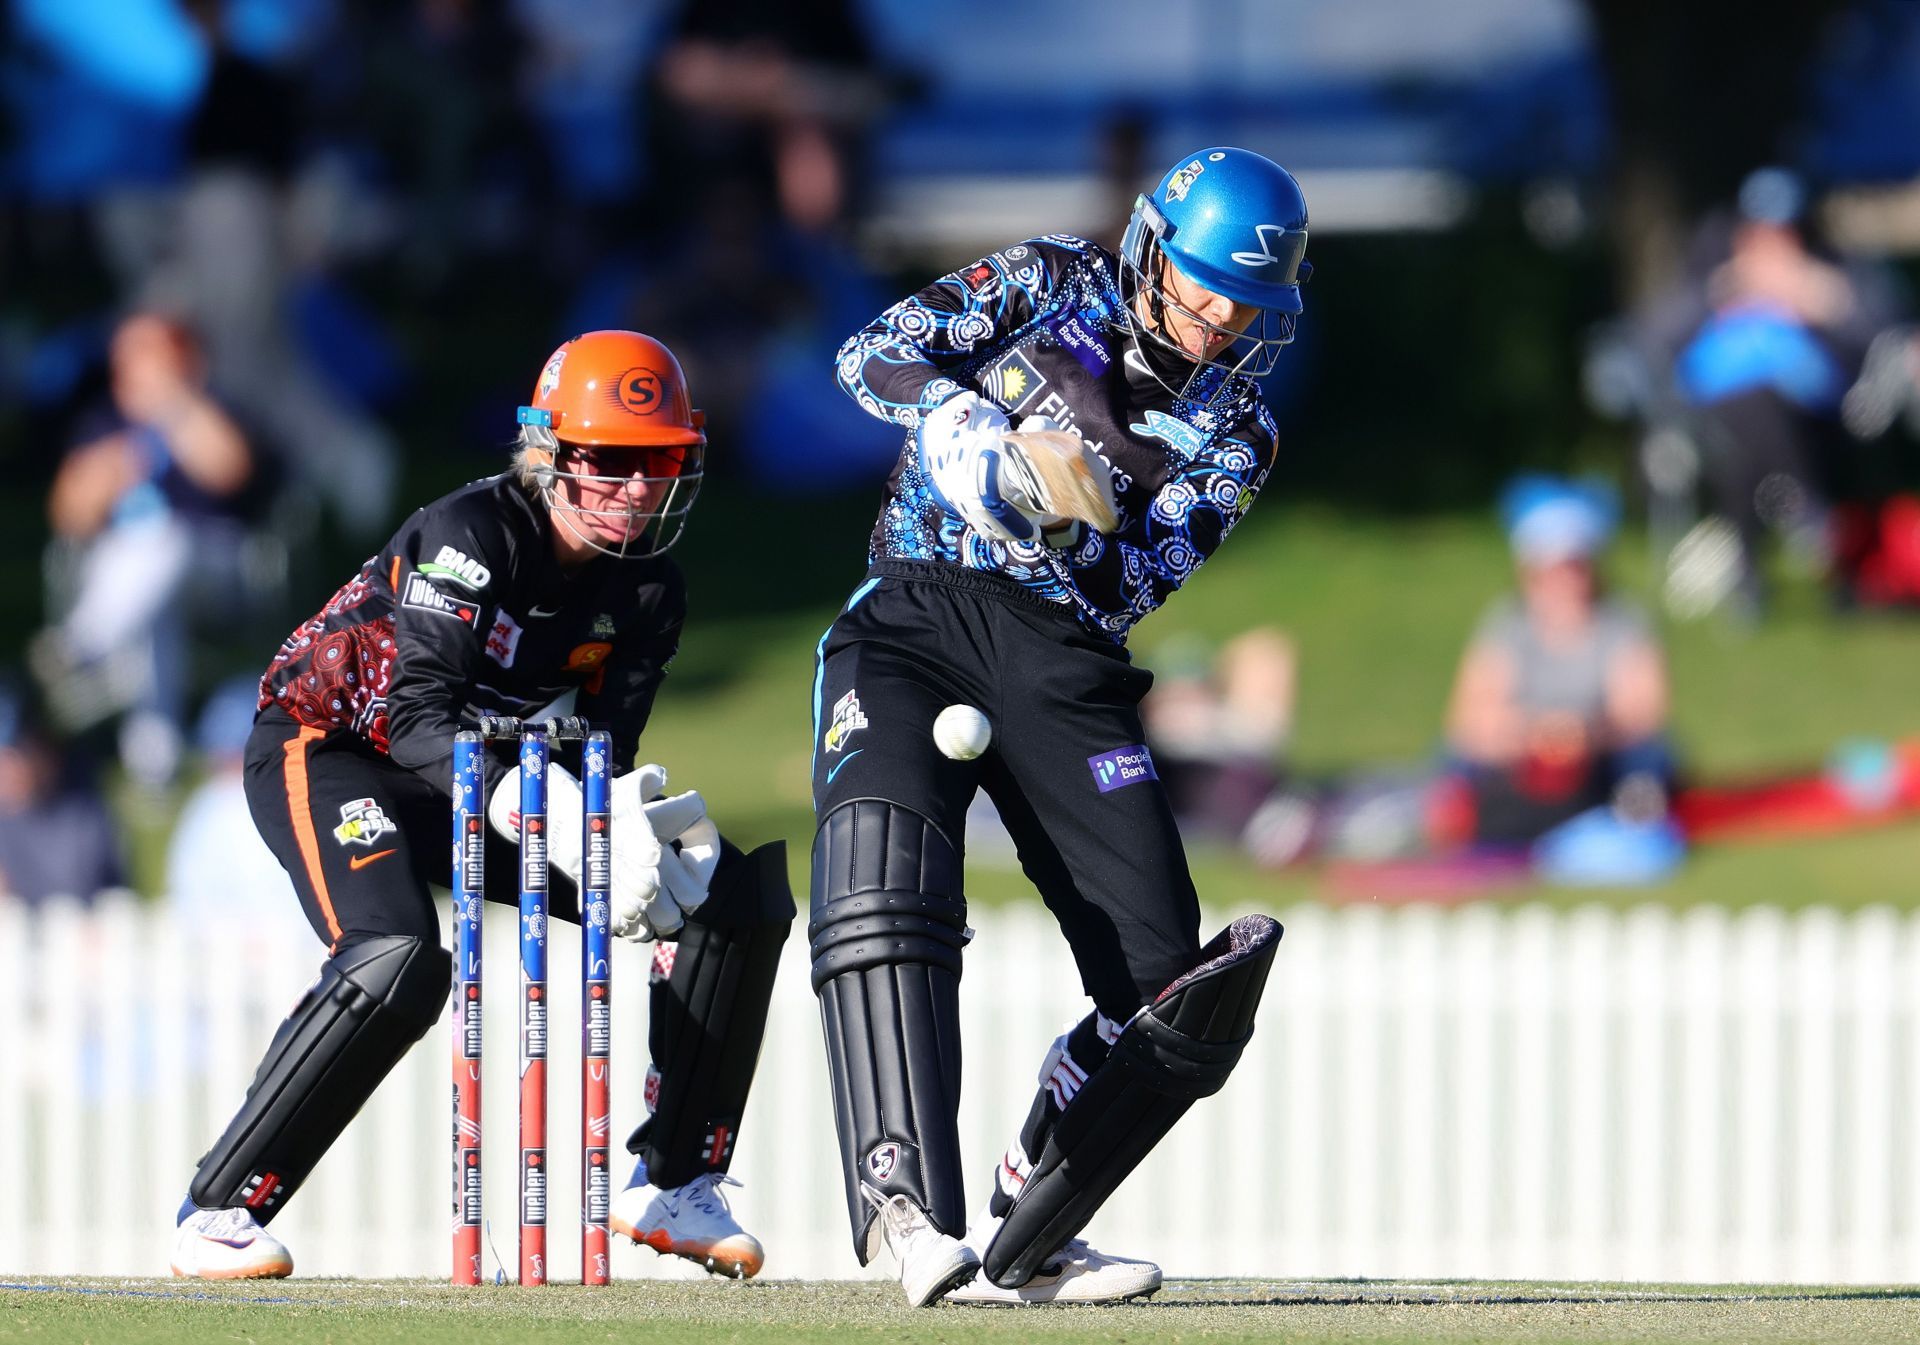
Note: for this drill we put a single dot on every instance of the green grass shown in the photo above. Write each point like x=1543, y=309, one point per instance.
x=427, y=1313
x=1379, y=609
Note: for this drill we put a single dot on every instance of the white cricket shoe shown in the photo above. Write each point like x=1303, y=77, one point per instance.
x=691, y=1221
x=930, y=1262
x=228, y=1245
x=1075, y=1274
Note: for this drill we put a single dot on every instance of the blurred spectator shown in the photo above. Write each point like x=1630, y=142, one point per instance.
x=146, y=503
x=1560, y=702
x=219, y=871
x=768, y=93
x=225, y=261
x=1761, y=360
x=583, y=65
x=756, y=121
x=56, y=838
x=726, y=287
x=1766, y=370
x=1219, y=728
x=431, y=91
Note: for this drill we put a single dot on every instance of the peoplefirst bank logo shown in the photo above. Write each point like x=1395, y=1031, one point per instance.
x=1121, y=767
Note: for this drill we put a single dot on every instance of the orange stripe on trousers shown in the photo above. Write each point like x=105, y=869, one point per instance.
x=299, y=805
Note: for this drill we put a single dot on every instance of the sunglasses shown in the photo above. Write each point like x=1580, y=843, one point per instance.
x=654, y=461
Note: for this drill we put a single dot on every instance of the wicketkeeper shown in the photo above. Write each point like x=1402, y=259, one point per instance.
x=990, y=588
x=546, y=581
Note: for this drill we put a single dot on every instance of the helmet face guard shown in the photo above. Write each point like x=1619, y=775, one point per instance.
x=1235, y=224
x=668, y=475
x=1252, y=353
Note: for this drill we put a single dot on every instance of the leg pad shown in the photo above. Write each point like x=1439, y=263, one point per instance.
x=1177, y=1049
x=710, y=994
x=374, y=999
x=887, y=928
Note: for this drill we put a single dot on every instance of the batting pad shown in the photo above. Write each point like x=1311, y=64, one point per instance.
x=374, y=999
x=888, y=925
x=1177, y=1049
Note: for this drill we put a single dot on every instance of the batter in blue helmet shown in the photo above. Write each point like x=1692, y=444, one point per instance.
x=985, y=592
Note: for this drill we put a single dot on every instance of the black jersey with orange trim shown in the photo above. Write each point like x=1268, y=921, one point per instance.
x=468, y=611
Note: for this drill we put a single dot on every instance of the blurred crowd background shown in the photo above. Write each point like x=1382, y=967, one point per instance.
x=1588, y=561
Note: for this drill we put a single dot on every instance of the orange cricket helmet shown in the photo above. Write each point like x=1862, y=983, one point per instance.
x=604, y=393
x=614, y=387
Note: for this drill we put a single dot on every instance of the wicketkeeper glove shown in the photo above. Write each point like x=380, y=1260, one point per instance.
x=684, y=841
x=654, y=878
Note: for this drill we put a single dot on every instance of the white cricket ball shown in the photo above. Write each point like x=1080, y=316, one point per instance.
x=961, y=732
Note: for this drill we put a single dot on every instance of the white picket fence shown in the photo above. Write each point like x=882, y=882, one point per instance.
x=1595, y=1094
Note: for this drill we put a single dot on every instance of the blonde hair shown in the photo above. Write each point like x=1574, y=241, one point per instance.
x=534, y=450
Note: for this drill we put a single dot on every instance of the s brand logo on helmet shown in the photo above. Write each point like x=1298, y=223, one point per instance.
x=1264, y=257
x=550, y=376
x=638, y=390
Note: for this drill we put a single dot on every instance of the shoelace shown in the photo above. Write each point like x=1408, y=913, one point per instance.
x=1075, y=1249
x=903, y=1219
x=896, y=1212
x=706, y=1196
x=228, y=1223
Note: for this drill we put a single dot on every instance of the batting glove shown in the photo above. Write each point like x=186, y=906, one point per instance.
x=962, y=457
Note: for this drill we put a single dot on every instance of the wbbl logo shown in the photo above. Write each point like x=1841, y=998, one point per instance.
x=421, y=594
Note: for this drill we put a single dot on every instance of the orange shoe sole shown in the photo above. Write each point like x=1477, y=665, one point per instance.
x=734, y=1262
x=276, y=1270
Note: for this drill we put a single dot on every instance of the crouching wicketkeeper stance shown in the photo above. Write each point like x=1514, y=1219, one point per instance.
x=1008, y=582
x=496, y=600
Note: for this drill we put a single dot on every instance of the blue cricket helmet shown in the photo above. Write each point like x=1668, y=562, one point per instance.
x=1231, y=220
x=1234, y=222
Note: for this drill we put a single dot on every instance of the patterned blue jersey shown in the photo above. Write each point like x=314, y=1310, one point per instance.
x=1040, y=329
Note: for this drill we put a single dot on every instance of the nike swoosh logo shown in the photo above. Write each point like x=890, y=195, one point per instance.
x=359, y=862
x=542, y=612
x=843, y=761
x=1135, y=360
